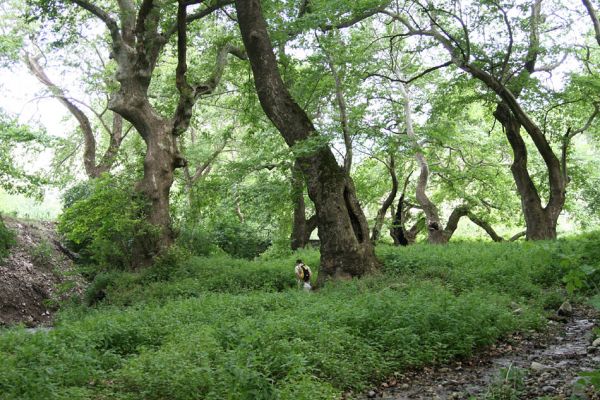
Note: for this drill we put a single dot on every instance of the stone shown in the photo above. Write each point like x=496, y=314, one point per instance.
x=596, y=343
x=371, y=394
x=536, y=366
x=548, y=389
x=565, y=309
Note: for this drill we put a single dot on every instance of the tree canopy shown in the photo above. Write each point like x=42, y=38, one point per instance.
x=269, y=123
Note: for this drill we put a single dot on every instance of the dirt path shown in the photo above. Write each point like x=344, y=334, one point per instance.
x=530, y=366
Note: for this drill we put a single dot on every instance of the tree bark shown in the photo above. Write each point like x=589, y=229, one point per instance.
x=302, y=228
x=389, y=200
x=540, y=222
x=346, y=249
x=398, y=231
x=435, y=229
x=594, y=17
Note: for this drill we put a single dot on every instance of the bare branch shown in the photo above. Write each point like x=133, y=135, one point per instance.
x=110, y=23
x=198, y=15
x=414, y=78
x=89, y=155
x=553, y=66
x=339, y=94
x=592, y=13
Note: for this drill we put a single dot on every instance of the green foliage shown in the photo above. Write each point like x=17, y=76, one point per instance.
x=507, y=386
x=17, y=140
x=238, y=239
x=7, y=239
x=105, y=224
x=522, y=269
x=581, y=261
x=96, y=290
x=196, y=238
x=41, y=254
x=218, y=327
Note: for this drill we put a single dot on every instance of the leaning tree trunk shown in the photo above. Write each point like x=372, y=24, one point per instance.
x=435, y=230
x=387, y=203
x=540, y=221
x=346, y=249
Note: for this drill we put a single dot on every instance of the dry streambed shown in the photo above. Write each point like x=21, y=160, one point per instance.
x=525, y=366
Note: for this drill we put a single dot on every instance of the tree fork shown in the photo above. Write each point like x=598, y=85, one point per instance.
x=346, y=250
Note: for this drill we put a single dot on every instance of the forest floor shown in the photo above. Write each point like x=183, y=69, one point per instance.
x=35, y=275
x=530, y=365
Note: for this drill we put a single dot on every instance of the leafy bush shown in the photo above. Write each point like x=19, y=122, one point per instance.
x=196, y=238
x=581, y=261
x=7, y=239
x=104, y=226
x=239, y=240
x=41, y=254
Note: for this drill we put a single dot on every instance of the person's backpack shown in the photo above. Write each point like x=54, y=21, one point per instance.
x=305, y=273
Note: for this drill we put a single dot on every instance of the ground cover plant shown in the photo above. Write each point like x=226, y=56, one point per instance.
x=210, y=331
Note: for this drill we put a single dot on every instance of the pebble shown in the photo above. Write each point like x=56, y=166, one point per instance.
x=596, y=343
x=548, y=389
x=536, y=366
x=371, y=394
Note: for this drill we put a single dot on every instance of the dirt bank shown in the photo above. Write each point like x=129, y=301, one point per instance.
x=35, y=275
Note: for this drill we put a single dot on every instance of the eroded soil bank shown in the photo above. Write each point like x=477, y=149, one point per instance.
x=35, y=275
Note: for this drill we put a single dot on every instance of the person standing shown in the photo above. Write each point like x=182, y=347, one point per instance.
x=303, y=275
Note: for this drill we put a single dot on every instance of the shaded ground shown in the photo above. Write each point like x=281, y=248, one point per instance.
x=526, y=366
x=35, y=274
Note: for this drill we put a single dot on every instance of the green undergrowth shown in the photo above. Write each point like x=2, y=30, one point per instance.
x=209, y=331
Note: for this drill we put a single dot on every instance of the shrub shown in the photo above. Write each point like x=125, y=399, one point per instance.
x=196, y=238
x=105, y=225
x=41, y=254
x=7, y=239
x=239, y=240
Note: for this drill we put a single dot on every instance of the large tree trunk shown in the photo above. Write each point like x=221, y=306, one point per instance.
x=302, y=228
x=161, y=159
x=346, y=249
x=540, y=222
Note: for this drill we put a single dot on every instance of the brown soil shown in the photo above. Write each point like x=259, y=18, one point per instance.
x=548, y=365
x=35, y=276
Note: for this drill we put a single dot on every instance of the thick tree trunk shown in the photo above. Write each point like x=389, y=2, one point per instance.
x=302, y=228
x=540, y=221
x=346, y=249
x=297, y=239
x=398, y=231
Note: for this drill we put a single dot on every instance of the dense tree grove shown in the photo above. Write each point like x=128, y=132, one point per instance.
x=249, y=125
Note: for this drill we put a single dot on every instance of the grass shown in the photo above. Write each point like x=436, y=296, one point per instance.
x=218, y=328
